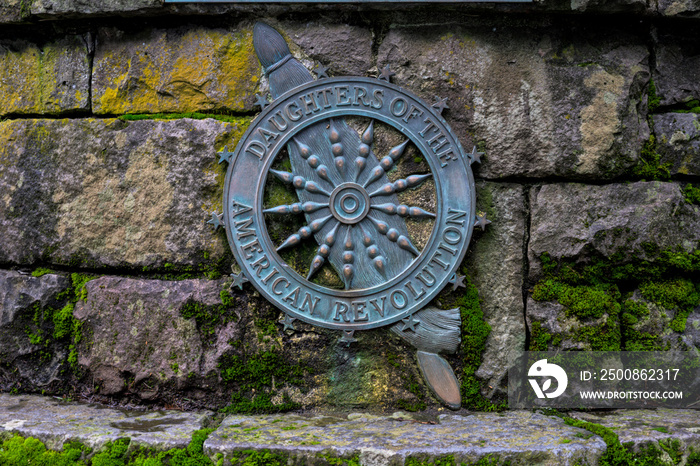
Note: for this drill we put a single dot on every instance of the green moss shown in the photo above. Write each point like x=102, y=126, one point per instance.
x=653, y=100
x=650, y=166
x=52, y=325
x=540, y=339
x=353, y=460
x=256, y=377
x=210, y=317
x=676, y=294
x=692, y=106
x=474, y=332
x=691, y=194
x=447, y=460
x=192, y=115
x=19, y=451
x=41, y=271
x=592, y=291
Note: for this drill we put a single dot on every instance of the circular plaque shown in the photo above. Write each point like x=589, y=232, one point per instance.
x=351, y=210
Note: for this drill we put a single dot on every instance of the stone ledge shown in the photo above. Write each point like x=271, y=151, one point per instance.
x=518, y=437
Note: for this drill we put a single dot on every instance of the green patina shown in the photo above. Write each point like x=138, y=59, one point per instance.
x=256, y=378
x=602, y=290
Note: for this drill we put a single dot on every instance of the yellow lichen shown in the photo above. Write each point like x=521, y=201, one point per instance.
x=599, y=120
x=200, y=70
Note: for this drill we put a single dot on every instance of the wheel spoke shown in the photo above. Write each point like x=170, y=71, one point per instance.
x=387, y=163
x=299, y=182
x=394, y=236
x=373, y=252
x=361, y=160
x=296, y=208
x=403, y=210
x=337, y=149
x=348, y=259
x=401, y=185
x=323, y=251
x=304, y=232
x=313, y=161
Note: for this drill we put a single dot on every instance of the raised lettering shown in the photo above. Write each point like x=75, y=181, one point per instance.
x=280, y=125
x=242, y=228
x=421, y=276
x=412, y=113
x=256, y=148
x=293, y=115
x=415, y=294
x=272, y=274
x=250, y=248
x=293, y=296
x=341, y=309
x=398, y=106
x=277, y=282
x=377, y=99
x=323, y=94
x=453, y=215
x=358, y=308
x=261, y=264
x=361, y=96
x=399, y=299
x=437, y=261
x=269, y=136
x=310, y=303
x=452, y=239
x=375, y=304
x=309, y=103
x=341, y=95
x=238, y=208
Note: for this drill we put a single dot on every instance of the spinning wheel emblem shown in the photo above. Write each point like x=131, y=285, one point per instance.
x=349, y=203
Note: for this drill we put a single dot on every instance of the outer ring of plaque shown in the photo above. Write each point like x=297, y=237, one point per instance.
x=454, y=188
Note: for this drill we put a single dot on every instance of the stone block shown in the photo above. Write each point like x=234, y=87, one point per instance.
x=110, y=193
x=174, y=70
x=52, y=78
x=539, y=102
x=61, y=9
x=677, y=68
x=138, y=340
x=515, y=437
x=679, y=8
x=55, y=422
x=678, y=142
x=495, y=264
x=577, y=222
x=21, y=299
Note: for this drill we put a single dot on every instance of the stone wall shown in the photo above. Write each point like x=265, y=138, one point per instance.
x=114, y=288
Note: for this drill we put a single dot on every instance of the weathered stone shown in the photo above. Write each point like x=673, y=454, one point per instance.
x=653, y=323
x=135, y=330
x=495, y=264
x=344, y=49
x=678, y=142
x=577, y=222
x=59, y=9
x=679, y=8
x=13, y=11
x=20, y=296
x=55, y=423
x=677, y=68
x=542, y=105
x=518, y=437
x=645, y=427
x=174, y=70
x=111, y=193
x=51, y=78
